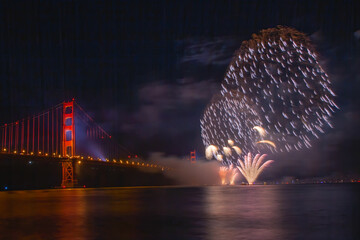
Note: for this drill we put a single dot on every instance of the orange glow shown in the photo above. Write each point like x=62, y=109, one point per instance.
x=260, y=130
x=222, y=174
x=267, y=142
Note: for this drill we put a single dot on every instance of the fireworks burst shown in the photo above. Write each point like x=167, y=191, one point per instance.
x=252, y=167
x=279, y=71
x=226, y=123
x=228, y=175
x=233, y=175
x=223, y=171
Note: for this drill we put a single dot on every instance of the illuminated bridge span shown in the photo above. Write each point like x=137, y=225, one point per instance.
x=67, y=133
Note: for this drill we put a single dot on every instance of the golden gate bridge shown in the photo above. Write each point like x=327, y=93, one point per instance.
x=66, y=133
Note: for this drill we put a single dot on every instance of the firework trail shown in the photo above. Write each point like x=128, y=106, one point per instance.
x=252, y=167
x=279, y=71
x=233, y=174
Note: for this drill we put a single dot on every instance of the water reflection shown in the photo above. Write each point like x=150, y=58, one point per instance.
x=251, y=212
x=218, y=212
x=71, y=211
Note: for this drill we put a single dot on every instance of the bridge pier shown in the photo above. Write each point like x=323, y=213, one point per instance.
x=67, y=174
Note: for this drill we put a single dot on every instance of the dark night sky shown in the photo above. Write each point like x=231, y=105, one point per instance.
x=145, y=70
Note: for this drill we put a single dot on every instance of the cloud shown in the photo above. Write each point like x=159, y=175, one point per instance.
x=357, y=34
x=216, y=51
x=162, y=105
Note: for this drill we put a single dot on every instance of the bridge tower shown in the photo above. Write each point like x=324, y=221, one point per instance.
x=193, y=156
x=68, y=143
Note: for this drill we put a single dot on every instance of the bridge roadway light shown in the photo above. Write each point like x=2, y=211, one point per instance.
x=4, y=149
x=79, y=162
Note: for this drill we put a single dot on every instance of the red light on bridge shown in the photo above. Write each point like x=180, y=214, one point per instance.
x=129, y=156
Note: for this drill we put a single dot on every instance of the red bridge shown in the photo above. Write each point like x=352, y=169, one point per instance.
x=66, y=133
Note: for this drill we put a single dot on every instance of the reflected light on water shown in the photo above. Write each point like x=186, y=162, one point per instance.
x=213, y=212
x=250, y=212
x=72, y=208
